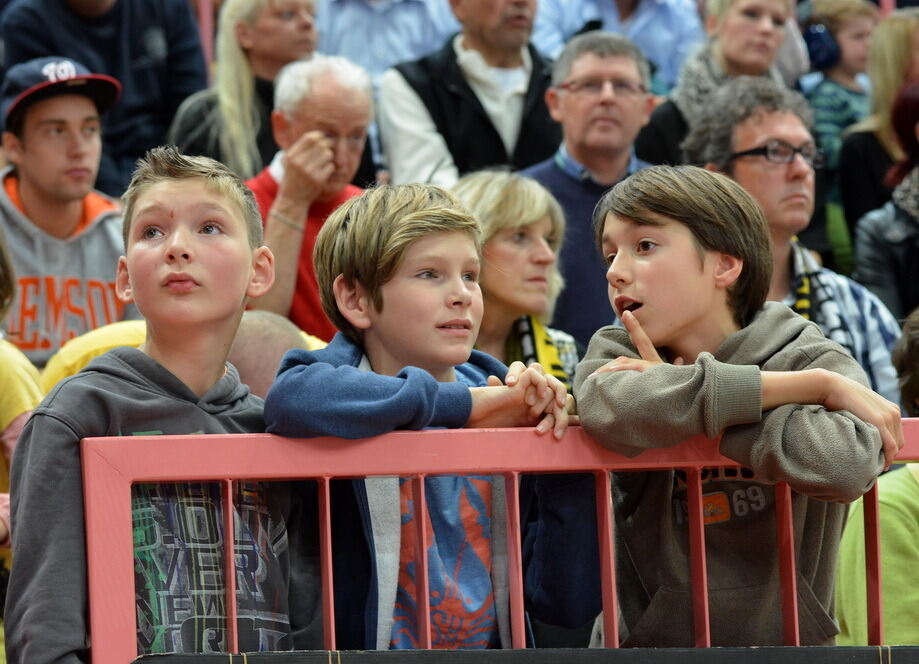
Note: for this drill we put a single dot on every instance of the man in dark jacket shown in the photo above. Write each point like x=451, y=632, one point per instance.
x=475, y=103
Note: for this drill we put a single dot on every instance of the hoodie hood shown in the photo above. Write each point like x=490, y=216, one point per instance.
x=126, y=392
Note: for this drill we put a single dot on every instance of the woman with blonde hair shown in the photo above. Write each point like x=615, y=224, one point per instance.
x=744, y=37
x=522, y=229
x=231, y=121
x=870, y=147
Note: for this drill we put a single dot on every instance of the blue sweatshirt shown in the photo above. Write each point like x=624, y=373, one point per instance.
x=325, y=393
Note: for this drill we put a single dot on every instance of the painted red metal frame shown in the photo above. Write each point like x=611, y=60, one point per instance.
x=112, y=465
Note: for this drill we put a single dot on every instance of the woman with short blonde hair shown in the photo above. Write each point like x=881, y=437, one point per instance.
x=522, y=230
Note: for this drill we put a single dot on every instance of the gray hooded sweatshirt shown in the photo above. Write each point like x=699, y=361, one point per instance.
x=828, y=458
x=178, y=527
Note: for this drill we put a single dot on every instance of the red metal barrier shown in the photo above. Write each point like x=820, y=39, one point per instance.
x=111, y=465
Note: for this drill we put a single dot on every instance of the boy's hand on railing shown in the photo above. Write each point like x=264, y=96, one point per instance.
x=530, y=398
x=841, y=393
x=834, y=391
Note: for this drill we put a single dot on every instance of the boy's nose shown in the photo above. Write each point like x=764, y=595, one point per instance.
x=459, y=294
x=616, y=273
x=178, y=248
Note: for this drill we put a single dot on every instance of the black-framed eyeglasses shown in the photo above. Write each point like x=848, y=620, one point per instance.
x=593, y=87
x=782, y=152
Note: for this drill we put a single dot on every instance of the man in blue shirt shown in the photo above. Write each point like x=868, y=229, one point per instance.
x=666, y=31
x=600, y=96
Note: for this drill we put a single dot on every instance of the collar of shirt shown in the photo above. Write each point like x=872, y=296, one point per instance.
x=574, y=169
x=475, y=68
x=276, y=167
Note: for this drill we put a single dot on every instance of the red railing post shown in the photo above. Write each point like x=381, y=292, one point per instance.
x=605, y=534
x=785, y=533
x=514, y=559
x=873, y=567
x=325, y=561
x=229, y=557
x=422, y=581
x=700, y=615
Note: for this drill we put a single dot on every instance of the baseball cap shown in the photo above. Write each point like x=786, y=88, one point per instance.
x=41, y=78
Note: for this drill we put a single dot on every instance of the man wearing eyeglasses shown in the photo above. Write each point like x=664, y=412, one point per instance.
x=760, y=137
x=599, y=95
x=475, y=103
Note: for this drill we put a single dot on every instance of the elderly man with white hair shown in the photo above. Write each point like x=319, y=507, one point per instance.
x=322, y=109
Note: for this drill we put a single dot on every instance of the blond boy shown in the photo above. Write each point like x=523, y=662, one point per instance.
x=193, y=257
x=398, y=274
x=689, y=268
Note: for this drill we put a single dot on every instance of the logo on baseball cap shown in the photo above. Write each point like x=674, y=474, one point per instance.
x=41, y=78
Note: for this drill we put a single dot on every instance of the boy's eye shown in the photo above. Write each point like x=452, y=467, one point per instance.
x=427, y=274
x=210, y=228
x=150, y=232
x=519, y=236
x=471, y=276
x=609, y=258
x=646, y=245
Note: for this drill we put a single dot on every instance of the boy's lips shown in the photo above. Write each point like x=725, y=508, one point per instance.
x=459, y=326
x=623, y=303
x=179, y=282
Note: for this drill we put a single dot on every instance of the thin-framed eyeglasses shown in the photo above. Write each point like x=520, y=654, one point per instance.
x=781, y=152
x=593, y=87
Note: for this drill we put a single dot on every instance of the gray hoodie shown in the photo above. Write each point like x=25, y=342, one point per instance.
x=827, y=458
x=177, y=527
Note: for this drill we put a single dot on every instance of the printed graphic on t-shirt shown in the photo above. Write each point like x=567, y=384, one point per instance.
x=459, y=565
x=51, y=310
x=178, y=568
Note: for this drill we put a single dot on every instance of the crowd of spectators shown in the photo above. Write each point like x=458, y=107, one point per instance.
x=509, y=123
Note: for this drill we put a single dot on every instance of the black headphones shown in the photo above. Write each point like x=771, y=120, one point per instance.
x=822, y=48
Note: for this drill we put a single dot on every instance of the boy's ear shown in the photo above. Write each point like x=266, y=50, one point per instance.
x=727, y=269
x=262, y=276
x=353, y=302
x=123, y=281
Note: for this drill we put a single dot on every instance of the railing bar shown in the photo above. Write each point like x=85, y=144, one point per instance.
x=700, y=614
x=873, y=567
x=229, y=554
x=325, y=559
x=605, y=534
x=422, y=585
x=514, y=559
x=785, y=534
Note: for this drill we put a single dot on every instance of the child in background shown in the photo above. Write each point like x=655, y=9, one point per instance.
x=898, y=497
x=839, y=100
x=689, y=269
x=398, y=271
x=193, y=257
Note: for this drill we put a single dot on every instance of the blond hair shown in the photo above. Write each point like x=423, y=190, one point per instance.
x=833, y=13
x=889, y=60
x=502, y=200
x=166, y=164
x=365, y=239
x=719, y=213
x=235, y=87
